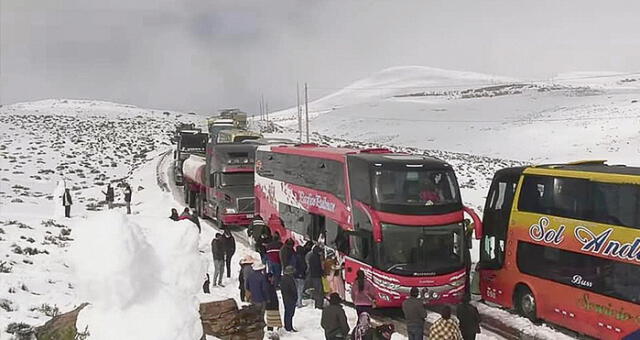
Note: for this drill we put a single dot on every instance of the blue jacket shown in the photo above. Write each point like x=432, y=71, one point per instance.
x=258, y=286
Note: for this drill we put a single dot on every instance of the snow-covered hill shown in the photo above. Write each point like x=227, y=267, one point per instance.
x=86, y=144
x=573, y=116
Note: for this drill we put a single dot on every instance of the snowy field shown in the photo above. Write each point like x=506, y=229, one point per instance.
x=134, y=269
x=570, y=117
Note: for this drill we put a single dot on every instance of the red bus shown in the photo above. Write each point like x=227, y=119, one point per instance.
x=562, y=243
x=398, y=217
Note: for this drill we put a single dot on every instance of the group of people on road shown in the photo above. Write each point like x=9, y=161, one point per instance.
x=306, y=271
x=185, y=215
x=465, y=327
x=110, y=196
x=67, y=200
x=223, y=246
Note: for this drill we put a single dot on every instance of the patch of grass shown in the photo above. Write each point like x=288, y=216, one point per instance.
x=21, y=331
x=46, y=309
x=5, y=267
x=7, y=305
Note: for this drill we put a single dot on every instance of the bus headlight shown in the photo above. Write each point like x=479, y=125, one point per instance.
x=434, y=295
x=230, y=210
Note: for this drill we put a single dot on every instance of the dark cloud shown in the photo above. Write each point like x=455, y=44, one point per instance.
x=201, y=55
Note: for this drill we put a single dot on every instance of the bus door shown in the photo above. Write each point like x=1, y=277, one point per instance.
x=497, y=213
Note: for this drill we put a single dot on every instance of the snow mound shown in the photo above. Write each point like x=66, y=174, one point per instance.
x=141, y=282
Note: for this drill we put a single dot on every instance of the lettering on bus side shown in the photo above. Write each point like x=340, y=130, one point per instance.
x=542, y=232
x=601, y=244
x=315, y=200
x=609, y=310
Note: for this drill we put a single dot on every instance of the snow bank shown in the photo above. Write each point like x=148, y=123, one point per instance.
x=141, y=276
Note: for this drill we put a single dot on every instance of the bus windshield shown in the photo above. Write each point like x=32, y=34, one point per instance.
x=415, y=250
x=415, y=187
x=237, y=179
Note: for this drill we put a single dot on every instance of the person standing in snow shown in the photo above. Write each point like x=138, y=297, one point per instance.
x=273, y=258
x=127, y=197
x=286, y=252
x=217, y=249
x=257, y=285
x=289, y=297
x=300, y=272
x=334, y=320
x=245, y=271
x=445, y=328
x=469, y=318
x=362, y=294
x=109, y=196
x=67, y=202
x=174, y=214
x=415, y=314
x=261, y=244
x=315, y=276
x=272, y=306
x=229, y=249
x=196, y=221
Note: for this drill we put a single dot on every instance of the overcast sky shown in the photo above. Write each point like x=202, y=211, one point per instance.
x=202, y=55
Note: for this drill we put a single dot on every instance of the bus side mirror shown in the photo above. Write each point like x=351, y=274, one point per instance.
x=477, y=223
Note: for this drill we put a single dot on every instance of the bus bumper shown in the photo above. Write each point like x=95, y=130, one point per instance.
x=242, y=219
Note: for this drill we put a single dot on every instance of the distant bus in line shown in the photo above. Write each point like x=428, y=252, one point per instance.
x=562, y=243
x=397, y=217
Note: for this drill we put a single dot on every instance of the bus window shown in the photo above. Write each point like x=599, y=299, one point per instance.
x=558, y=196
x=591, y=273
x=497, y=213
x=336, y=237
x=361, y=241
x=616, y=204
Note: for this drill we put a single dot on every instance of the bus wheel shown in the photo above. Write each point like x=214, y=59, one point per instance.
x=526, y=303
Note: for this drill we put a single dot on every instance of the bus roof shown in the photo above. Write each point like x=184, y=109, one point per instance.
x=595, y=166
x=367, y=155
x=314, y=150
x=401, y=158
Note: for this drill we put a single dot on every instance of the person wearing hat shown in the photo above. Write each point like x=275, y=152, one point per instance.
x=245, y=272
x=289, y=297
x=257, y=285
x=334, y=320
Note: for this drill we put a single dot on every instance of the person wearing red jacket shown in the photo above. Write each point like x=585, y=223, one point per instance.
x=273, y=259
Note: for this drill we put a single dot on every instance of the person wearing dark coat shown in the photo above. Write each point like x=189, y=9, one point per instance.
x=469, y=318
x=229, y=249
x=127, y=198
x=300, y=272
x=273, y=259
x=245, y=271
x=289, y=297
x=261, y=245
x=67, y=202
x=286, y=252
x=109, y=196
x=257, y=286
x=196, y=221
x=217, y=249
x=415, y=314
x=334, y=320
x=174, y=214
x=315, y=276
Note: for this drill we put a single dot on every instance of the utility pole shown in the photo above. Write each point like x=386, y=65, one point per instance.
x=299, y=112
x=260, y=109
x=306, y=108
x=266, y=109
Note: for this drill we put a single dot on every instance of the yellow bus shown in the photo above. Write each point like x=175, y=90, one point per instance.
x=562, y=243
